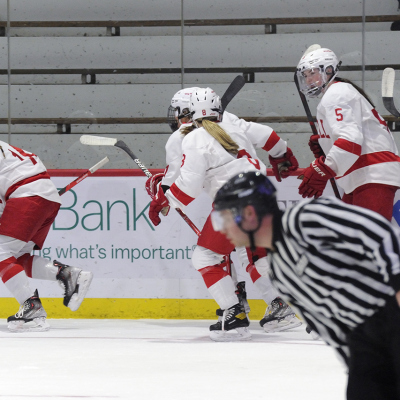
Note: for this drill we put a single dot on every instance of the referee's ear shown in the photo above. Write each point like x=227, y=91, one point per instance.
x=249, y=218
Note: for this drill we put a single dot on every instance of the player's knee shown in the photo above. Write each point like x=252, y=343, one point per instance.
x=26, y=263
x=262, y=266
x=202, y=258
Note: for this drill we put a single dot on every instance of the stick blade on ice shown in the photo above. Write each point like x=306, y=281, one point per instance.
x=97, y=140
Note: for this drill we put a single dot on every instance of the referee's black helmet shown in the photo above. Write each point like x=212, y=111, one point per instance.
x=248, y=188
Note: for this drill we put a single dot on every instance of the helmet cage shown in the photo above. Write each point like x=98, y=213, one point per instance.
x=315, y=88
x=172, y=122
x=174, y=114
x=316, y=70
x=179, y=107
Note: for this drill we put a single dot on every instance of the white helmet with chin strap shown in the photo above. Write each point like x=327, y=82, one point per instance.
x=320, y=67
x=179, y=107
x=205, y=103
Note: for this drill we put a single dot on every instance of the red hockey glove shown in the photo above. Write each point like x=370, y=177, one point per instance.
x=315, y=178
x=152, y=184
x=159, y=203
x=315, y=147
x=282, y=166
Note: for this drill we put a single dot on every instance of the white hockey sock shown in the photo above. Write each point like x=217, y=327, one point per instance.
x=267, y=291
x=18, y=285
x=44, y=269
x=223, y=292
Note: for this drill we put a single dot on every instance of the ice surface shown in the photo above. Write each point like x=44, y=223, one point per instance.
x=164, y=359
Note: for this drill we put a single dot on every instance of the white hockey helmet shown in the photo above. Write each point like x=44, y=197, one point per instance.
x=315, y=70
x=179, y=107
x=205, y=103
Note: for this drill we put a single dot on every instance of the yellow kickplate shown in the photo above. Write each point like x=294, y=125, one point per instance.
x=132, y=308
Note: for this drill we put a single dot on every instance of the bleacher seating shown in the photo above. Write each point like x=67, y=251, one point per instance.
x=101, y=68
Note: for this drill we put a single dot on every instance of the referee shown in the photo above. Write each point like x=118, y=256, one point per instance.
x=338, y=264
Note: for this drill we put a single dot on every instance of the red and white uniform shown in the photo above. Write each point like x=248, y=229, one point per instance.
x=260, y=136
x=357, y=143
x=22, y=174
x=207, y=165
x=30, y=204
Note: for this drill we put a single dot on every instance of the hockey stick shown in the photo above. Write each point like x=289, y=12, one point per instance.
x=308, y=113
x=387, y=91
x=105, y=141
x=233, y=89
x=90, y=171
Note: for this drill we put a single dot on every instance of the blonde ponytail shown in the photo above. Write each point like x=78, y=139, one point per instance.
x=216, y=132
x=221, y=136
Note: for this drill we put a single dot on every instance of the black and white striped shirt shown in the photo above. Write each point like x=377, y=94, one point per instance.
x=336, y=263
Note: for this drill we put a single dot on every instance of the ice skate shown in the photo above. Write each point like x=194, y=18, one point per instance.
x=232, y=326
x=279, y=317
x=75, y=283
x=31, y=317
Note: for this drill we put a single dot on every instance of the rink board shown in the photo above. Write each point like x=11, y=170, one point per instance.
x=140, y=271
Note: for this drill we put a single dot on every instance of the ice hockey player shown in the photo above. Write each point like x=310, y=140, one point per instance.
x=30, y=203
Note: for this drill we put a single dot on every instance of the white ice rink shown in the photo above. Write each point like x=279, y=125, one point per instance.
x=164, y=359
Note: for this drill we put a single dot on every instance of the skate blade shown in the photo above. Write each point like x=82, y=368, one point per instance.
x=84, y=281
x=234, y=335
x=36, y=325
x=315, y=335
x=281, y=326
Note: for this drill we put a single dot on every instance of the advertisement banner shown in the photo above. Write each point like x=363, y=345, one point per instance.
x=103, y=226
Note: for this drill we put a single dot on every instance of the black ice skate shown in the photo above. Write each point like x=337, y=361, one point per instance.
x=232, y=326
x=279, y=317
x=75, y=283
x=31, y=317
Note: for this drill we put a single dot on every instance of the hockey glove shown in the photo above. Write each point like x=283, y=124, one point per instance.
x=315, y=178
x=152, y=184
x=159, y=203
x=315, y=147
x=282, y=166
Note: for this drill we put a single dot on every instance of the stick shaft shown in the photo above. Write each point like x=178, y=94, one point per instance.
x=80, y=178
x=122, y=145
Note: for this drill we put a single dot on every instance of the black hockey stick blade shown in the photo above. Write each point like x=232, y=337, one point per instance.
x=387, y=91
x=233, y=89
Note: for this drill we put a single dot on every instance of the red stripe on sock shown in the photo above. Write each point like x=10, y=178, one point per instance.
x=252, y=270
x=213, y=274
x=9, y=268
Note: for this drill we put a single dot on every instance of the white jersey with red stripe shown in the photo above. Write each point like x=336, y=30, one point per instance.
x=357, y=143
x=261, y=136
x=207, y=165
x=22, y=174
